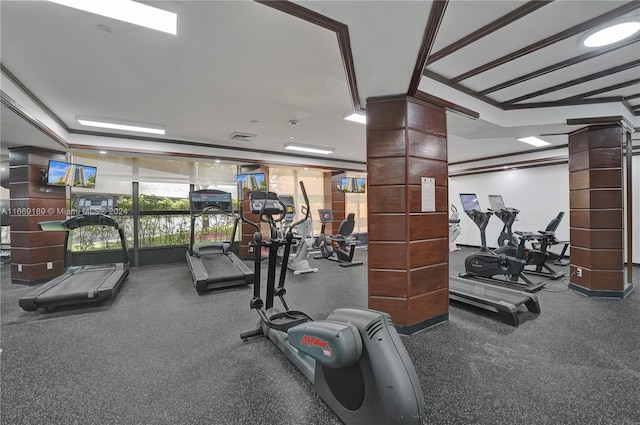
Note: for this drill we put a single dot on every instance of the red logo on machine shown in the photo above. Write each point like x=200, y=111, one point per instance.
x=312, y=341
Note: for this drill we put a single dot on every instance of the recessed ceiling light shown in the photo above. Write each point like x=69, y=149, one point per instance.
x=116, y=126
x=612, y=34
x=128, y=11
x=356, y=116
x=534, y=141
x=309, y=149
x=103, y=152
x=217, y=161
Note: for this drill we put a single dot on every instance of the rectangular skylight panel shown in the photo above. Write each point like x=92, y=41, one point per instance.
x=115, y=126
x=534, y=141
x=128, y=11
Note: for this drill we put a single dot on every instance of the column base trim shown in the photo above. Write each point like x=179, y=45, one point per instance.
x=420, y=326
x=595, y=293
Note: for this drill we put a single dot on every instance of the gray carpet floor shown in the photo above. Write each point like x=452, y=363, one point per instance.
x=159, y=353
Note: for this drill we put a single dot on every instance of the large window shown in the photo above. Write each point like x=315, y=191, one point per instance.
x=357, y=203
x=285, y=181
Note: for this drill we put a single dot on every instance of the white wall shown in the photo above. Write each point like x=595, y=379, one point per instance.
x=539, y=193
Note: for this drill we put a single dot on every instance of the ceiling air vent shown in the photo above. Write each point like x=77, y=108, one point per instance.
x=243, y=137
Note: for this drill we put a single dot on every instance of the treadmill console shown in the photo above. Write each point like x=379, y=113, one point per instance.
x=94, y=204
x=201, y=199
x=470, y=202
x=265, y=203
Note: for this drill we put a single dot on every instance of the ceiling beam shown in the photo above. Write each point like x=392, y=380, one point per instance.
x=436, y=15
x=560, y=65
x=499, y=23
x=341, y=30
x=570, y=32
x=586, y=78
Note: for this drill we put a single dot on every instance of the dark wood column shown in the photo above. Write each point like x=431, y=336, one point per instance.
x=36, y=256
x=246, y=230
x=338, y=203
x=408, y=273
x=596, y=210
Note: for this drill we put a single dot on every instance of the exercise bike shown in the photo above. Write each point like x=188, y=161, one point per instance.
x=510, y=245
x=355, y=358
x=298, y=261
x=486, y=265
x=338, y=248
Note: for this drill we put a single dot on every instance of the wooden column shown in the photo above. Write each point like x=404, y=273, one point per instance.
x=596, y=211
x=36, y=256
x=246, y=230
x=338, y=203
x=408, y=274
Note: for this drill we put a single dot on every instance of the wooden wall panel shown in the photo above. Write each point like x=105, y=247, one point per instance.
x=424, y=167
x=386, y=114
x=386, y=227
x=428, y=226
x=387, y=283
x=386, y=171
x=397, y=307
x=427, y=145
x=386, y=143
x=430, y=304
x=428, y=252
x=388, y=255
x=428, y=279
x=408, y=248
x=596, y=207
x=387, y=199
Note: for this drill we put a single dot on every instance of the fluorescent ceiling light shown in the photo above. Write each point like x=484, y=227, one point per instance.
x=126, y=127
x=128, y=11
x=308, y=149
x=534, y=141
x=612, y=34
x=356, y=116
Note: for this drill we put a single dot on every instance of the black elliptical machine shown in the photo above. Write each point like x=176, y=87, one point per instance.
x=486, y=265
x=355, y=358
x=512, y=246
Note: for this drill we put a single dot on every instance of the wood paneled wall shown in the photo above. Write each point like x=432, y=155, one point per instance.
x=408, y=274
x=36, y=256
x=596, y=208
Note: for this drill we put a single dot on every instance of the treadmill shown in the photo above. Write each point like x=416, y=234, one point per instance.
x=491, y=297
x=212, y=264
x=503, y=301
x=83, y=284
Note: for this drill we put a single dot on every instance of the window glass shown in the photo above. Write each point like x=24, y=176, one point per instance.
x=357, y=203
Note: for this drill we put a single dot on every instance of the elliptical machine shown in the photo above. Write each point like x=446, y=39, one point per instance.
x=485, y=265
x=299, y=261
x=355, y=358
x=513, y=246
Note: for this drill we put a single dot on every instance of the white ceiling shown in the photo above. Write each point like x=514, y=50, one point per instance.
x=236, y=62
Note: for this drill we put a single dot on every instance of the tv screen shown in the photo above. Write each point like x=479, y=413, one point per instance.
x=255, y=181
x=60, y=173
x=85, y=176
x=353, y=185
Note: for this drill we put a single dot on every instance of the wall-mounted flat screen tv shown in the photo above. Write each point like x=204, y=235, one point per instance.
x=353, y=184
x=60, y=173
x=85, y=176
x=255, y=181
